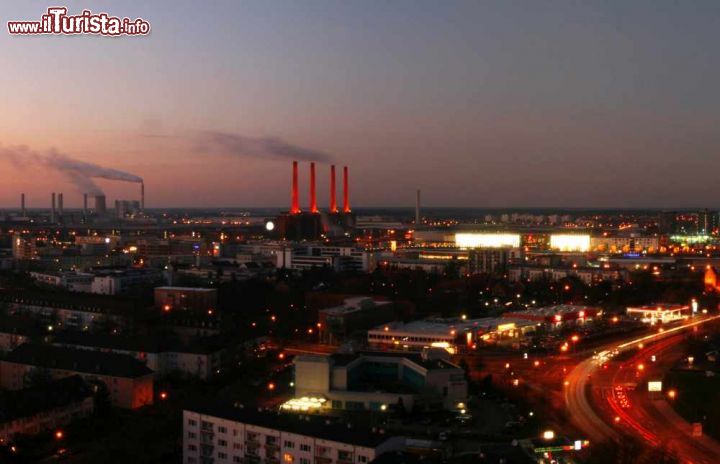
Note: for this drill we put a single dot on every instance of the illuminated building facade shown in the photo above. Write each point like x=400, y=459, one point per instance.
x=378, y=380
x=234, y=434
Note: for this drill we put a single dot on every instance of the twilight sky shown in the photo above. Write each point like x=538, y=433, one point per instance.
x=478, y=103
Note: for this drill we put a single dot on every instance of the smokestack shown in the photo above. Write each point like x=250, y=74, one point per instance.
x=22, y=205
x=142, y=196
x=333, y=200
x=61, y=209
x=295, y=208
x=85, y=211
x=313, y=199
x=52, y=210
x=100, y=206
x=417, y=208
x=346, y=191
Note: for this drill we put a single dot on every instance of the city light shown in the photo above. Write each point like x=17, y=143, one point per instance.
x=306, y=403
x=548, y=435
x=487, y=240
x=570, y=242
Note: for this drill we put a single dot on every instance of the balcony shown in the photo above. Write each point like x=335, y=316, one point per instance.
x=252, y=443
x=323, y=460
x=206, y=450
x=272, y=447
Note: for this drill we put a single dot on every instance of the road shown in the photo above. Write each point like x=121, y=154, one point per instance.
x=643, y=420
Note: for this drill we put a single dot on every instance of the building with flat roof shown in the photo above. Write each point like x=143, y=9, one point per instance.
x=129, y=382
x=199, y=357
x=557, y=316
x=377, y=380
x=227, y=434
x=355, y=314
x=339, y=258
x=452, y=334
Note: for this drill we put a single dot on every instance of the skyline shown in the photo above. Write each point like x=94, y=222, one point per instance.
x=493, y=105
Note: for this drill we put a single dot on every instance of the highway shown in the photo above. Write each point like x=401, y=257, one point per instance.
x=654, y=425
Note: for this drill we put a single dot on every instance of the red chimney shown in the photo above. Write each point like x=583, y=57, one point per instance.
x=295, y=208
x=313, y=200
x=346, y=193
x=333, y=200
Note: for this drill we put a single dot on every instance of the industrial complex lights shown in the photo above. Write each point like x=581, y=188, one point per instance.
x=487, y=240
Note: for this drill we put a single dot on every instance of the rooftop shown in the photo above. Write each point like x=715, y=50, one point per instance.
x=150, y=344
x=444, y=327
x=355, y=304
x=78, y=360
x=309, y=426
x=417, y=358
x=187, y=289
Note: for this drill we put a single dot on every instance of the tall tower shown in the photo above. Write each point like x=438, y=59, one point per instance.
x=52, y=208
x=295, y=207
x=313, y=198
x=346, y=191
x=333, y=199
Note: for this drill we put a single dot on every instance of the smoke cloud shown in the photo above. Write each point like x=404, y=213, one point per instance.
x=256, y=147
x=80, y=173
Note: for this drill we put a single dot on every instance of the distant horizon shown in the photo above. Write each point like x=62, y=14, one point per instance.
x=579, y=103
x=402, y=208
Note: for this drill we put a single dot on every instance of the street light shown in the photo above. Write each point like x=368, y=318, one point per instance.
x=548, y=435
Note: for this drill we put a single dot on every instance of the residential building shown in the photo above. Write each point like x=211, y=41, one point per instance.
x=185, y=299
x=227, y=434
x=129, y=382
x=44, y=407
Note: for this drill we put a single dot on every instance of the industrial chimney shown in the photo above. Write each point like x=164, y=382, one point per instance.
x=313, y=198
x=22, y=205
x=100, y=207
x=417, y=208
x=295, y=207
x=333, y=200
x=52, y=209
x=346, y=191
x=85, y=211
x=61, y=209
x=142, y=196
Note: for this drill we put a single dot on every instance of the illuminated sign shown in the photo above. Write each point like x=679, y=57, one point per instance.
x=570, y=242
x=487, y=240
x=655, y=386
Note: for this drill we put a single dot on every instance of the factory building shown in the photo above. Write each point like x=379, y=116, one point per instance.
x=297, y=224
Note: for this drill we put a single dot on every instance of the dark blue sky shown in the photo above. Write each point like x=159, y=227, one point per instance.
x=478, y=103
